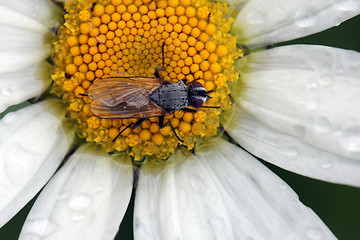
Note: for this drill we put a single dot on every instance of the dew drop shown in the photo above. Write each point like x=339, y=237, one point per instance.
x=314, y=233
x=63, y=195
x=7, y=91
x=322, y=125
x=78, y=216
x=283, y=186
x=351, y=138
x=326, y=80
x=312, y=83
x=326, y=165
x=40, y=227
x=255, y=17
x=312, y=104
x=336, y=21
x=348, y=5
x=292, y=152
x=198, y=184
x=305, y=17
x=216, y=223
x=80, y=201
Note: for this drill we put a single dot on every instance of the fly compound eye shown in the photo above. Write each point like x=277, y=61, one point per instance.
x=196, y=84
x=197, y=102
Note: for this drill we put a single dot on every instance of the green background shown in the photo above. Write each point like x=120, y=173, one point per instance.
x=338, y=206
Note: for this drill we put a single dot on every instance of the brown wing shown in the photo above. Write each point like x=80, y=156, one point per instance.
x=125, y=97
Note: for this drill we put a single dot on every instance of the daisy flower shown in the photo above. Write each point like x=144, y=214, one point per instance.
x=293, y=106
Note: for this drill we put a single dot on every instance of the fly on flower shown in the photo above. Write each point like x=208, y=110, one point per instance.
x=144, y=97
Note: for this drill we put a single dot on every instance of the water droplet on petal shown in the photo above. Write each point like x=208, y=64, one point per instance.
x=348, y=5
x=198, y=184
x=78, y=216
x=312, y=83
x=63, y=195
x=351, y=138
x=326, y=80
x=40, y=227
x=322, y=125
x=80, y=201
x=292, y=152
x=312, y=104
x=7, y=91
x=336, y=21
x=305, y=17
x=255, y=17
x=314, y=233
x=326, y=165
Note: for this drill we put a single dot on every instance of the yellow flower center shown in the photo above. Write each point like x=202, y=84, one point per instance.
x=117, y=39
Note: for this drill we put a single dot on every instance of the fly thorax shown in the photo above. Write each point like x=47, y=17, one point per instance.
x=172, y=96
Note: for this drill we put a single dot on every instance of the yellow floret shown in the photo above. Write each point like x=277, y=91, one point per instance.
x=93, y=122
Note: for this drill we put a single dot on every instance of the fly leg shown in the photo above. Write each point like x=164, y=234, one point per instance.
x=138, y=123
x=132, y=125
x=190, y=110
x=162, y=125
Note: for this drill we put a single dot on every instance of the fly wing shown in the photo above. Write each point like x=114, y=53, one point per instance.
x=124, y=97
x=122, y=111
x=131, y=90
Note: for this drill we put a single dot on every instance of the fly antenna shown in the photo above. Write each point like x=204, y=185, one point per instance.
x=210, y=106
x=193, y=81
x=163, y=54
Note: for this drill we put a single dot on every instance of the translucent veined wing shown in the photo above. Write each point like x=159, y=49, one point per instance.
x=130, y=90
x=121, y=111
x=124, y=97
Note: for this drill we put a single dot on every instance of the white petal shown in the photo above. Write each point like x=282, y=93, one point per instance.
x=32, y=145
x=14, y=60
x=43, y=11
x=308, y=92
x=13, y=38
x=265, y=22
x=9, y=17
x=19, y=86
x=292, y=153
x=86, y=199
x=222, y=193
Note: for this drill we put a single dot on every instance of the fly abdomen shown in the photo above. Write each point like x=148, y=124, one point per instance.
x=171, y=96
